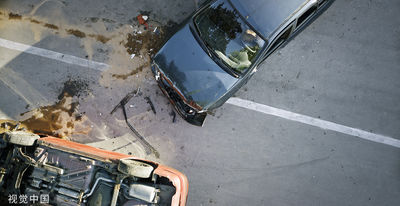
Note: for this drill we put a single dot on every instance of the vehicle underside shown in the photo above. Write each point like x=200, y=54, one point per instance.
x=31, y=165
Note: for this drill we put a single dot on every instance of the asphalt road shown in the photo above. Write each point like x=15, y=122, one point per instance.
x=343, y=68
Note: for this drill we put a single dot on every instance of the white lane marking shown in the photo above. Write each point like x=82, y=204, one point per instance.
x=53, y=55
x=314, y=122
x=234, y=101
x=21, y=87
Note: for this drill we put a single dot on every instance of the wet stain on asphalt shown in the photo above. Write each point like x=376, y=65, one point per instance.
x=13, y=16
x=51, y=26
x=57, y=120
x=71, y=31
x=76, y=33
x=35, y=21
x=61, y=119
x=133, y=72
x=74, y=87
x=100, y=38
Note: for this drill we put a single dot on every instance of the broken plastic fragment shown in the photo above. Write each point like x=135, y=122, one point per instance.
x=132, y=55
x=142, y=20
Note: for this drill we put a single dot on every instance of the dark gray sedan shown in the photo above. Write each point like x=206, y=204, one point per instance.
x=218, y=49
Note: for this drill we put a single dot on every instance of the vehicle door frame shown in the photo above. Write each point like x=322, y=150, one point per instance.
x=293, y=25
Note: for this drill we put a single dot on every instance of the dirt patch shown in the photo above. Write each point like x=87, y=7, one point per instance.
x=133, y=72
x=14, y=16
x=76, y=33
x=74, y=87
x=51, y=26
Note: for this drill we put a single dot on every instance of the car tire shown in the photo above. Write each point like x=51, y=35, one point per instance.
x=135, y=168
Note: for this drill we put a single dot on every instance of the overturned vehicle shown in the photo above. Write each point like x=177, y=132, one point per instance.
x=62, y=172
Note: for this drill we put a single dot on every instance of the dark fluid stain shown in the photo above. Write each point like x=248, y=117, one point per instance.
x=100, y=38
x=35, y=21
x=94, y=19
x=74, y=87
x=51, y=26
x=76, y=33
x=133, y=72
x=14, y=16
x=108, y=20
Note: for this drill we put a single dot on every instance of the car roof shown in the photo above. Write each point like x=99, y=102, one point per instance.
x=267, y=15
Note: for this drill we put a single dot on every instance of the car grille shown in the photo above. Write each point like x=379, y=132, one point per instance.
x=174, y=96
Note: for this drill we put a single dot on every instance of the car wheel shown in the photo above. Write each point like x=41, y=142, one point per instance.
x=135, y=168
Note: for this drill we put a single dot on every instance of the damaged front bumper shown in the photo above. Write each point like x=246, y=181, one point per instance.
x=187, y=112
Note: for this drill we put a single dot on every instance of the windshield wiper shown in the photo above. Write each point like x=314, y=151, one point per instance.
x=208, y=47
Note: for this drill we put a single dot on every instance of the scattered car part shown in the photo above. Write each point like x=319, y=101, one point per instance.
x=173, y=116
x=70, y=173
x=21, y=138
x=147, y=146
x=148, y=100
x=124, y=100
x=143, y=20
x=135, y=168
x=218, y=49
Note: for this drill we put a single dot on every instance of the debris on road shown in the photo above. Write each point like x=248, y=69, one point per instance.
x=148, y=100
x=143, y=20
x=124, y=101
x=147, y=146
x=173, y=114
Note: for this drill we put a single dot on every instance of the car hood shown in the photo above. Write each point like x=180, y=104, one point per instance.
x=185, y=63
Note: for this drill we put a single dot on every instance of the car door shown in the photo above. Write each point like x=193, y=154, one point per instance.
x=279, y=41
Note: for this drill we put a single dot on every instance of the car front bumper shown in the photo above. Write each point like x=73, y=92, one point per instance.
x=188, y=113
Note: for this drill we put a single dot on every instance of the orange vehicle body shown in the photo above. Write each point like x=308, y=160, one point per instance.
x=178, y=179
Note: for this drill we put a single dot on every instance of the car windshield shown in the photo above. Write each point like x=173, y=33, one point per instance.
x=228, y=36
